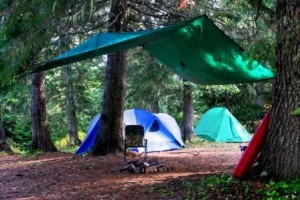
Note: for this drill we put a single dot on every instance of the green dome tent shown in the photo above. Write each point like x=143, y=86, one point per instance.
x=219, y=125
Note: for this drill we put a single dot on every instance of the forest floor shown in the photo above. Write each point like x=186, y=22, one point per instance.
x=66, y=176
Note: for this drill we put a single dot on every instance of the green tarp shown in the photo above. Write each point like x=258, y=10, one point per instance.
x=219, y=125
x=197, y=50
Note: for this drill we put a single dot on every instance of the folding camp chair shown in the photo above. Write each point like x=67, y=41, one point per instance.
x=134, y=141
x=136, y=144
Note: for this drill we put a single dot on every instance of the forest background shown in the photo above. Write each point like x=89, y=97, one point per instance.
x=28, y=27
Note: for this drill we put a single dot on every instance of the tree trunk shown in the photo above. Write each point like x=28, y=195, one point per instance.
x=71, y=109
x=3, y=145
x=40, y=129
x=188, y=112
x=154, y=107
x=280, y=156
x=109, y=138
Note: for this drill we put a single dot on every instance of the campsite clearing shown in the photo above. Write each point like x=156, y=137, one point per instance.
x=66, y=176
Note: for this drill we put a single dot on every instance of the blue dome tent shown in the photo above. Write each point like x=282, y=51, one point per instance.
x=161, y=130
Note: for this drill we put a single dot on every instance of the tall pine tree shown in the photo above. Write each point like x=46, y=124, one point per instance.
x=109, y=138
x=280, y=156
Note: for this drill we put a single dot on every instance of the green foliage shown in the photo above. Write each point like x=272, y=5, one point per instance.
x=195, y=142
x=225, y=186
x=249, y=115
x=24, y=34
x=222, y=186
x=14, y=106
x=166, y=193
x=62, y=143
x=22, y=148
x=296, y=112
x=3, y=153
x=87, y=96
x=289, y=189
x=150, y=84
x=21, y=136
x=15, y=115
x=207, y=97
x=29, y=153
x=245, y=106
x=150, y=190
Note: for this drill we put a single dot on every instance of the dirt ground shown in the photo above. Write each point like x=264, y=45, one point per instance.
x=65, y=176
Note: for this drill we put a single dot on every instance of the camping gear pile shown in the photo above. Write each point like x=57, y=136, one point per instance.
x=138, y=166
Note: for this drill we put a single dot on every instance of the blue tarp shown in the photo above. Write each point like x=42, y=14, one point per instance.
x=161, y=130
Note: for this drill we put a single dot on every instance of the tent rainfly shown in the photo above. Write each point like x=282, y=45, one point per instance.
x=161, y=130
x=219, y=125
x=196, y=49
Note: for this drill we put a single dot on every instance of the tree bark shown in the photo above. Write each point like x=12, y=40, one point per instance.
x=71, y=109
x=40, y=129
x=3, y=145
x=280, y=155
x=109, y=137
x=154, y=107
x=188, y=112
